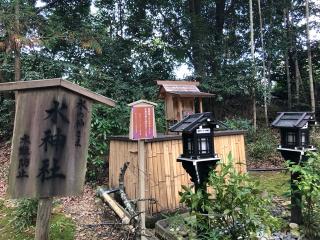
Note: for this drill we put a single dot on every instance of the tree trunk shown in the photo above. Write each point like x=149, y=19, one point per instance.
x=288, y=50
x=218, y=35
x=288, y=81
x=120, y=6
x=298, y=78
x=312, y=98
x=196, y=37
x=17, y=43
x=254, y=110
x=264, y=80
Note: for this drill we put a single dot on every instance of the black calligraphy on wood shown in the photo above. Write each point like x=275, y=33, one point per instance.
x=24, y=156
x=56, y=141
x=81, y=107
x=46, y=173
x=57, y=110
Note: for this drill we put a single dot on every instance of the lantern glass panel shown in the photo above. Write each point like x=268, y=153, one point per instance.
x=291, y=138
x=203, y=145
x=190, y=145
x=303, y=138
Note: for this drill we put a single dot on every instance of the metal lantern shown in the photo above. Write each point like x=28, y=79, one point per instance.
x=198, y=144
x=295, y=142
x=198, y=155
x=294, y=131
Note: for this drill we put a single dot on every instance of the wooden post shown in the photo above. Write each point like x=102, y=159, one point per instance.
x=180, y=109
x=296, y=200
x=142, y=186
x=200, y=105
x=43, y=218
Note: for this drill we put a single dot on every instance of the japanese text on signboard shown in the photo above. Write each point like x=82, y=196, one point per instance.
x=143, y=122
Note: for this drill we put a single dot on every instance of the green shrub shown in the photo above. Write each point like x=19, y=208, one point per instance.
x=25, y=214
x=236, y=210
x=105, y=122
x=6, y=118
x=239, y=124
x=263, y=145
x=309, y=185
x=315, y=137
x=160, y=117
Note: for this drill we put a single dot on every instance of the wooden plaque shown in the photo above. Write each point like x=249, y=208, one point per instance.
x=142, y=120
x=50, y=143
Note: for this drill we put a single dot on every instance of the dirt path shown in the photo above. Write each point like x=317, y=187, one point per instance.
x=91, y=216
x=4, y=169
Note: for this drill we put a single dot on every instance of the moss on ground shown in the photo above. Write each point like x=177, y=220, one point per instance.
x=275, y=183
x=61, y=227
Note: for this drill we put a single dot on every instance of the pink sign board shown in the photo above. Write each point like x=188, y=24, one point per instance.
x=143, y=122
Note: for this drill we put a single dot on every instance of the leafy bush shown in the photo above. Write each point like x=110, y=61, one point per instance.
x=263, y=146
x=25, y=214
x=309, y=186
x=236, y=210
x=315, y=137
x=239, y=124
x=160, y=117
x=6, y=118
x=105, y=122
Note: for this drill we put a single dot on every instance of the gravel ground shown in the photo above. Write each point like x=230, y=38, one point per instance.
x=275, y=162
x=92, y=217
x=4, y=170
x=95, y=220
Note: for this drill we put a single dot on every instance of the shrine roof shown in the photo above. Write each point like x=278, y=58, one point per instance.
x=56, y=82
x=182, y=89
x=293, y=119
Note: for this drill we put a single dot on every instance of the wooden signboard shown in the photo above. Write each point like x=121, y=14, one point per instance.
x=142, y=126
x=50, y=139
x=142, y=120
x=50, y=142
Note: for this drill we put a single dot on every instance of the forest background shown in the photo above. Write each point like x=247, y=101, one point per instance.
x=257, y=56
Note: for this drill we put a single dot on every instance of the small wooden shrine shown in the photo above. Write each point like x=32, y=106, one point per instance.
x=179, y=97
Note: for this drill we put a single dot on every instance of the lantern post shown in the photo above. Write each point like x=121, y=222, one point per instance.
x=198, y=156
x=295, y=143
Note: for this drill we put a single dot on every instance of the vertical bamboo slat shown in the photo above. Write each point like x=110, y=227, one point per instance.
x=166, y=163
x=164, y=175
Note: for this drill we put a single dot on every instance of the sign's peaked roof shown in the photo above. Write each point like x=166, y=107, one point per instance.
x=191, y=122
x=293, y=119
x=56, y=82
x=142, y=101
